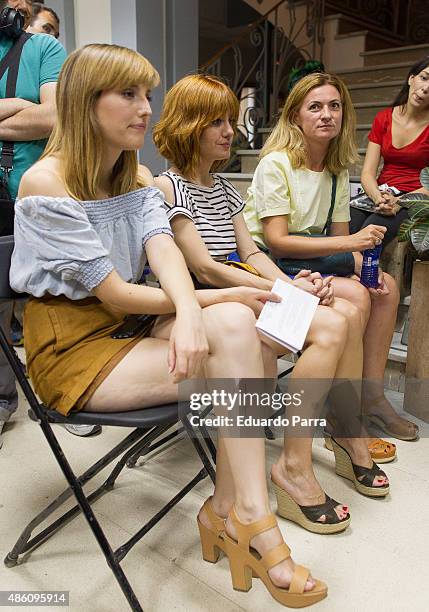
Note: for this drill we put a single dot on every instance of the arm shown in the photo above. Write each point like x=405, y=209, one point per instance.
x=369, y=173
x=197, y=257
x=305, y=280
x=11, y=106
x=34, y=122
x=283, y=245
x=205, y=268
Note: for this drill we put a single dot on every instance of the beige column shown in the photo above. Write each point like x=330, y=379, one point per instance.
x=93, y=22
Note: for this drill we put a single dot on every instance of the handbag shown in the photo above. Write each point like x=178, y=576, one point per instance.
x=11, y=61
x=338, y=264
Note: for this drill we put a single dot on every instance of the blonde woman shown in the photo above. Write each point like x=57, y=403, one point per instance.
x=289, y=201
x=195, y=133
x=87, y=219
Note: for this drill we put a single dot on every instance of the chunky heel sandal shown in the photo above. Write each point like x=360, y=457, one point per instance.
x=212, y=542
x=307, y=516
x=245, y=561
x=361, y=477
x=381, y=451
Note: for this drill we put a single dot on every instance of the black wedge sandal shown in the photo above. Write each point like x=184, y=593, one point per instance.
x=307, y=516
x=361, y=477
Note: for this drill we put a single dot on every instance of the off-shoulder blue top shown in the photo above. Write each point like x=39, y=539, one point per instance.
x=68, y=247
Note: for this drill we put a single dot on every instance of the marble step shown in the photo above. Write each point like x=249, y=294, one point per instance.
x=376, y=74
x=410, y=53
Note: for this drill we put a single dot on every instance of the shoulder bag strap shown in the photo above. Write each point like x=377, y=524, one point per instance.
x=327, y=225
x=11, y=61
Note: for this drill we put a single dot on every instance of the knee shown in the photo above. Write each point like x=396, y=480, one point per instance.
x=233, y=321
x=351, y=312
x=393, y=296
x=330, y=330
x=361, y=298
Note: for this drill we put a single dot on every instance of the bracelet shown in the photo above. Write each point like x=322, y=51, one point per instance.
x=254, y=253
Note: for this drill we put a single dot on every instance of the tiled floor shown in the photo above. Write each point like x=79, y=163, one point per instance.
x=380, y=563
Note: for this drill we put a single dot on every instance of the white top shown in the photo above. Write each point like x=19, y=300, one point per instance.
x=210, y=208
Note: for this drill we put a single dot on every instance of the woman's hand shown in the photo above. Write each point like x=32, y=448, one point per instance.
x=251, y=297
x=366, y=238
x=313, y=283
x=382, y=288
x=189, y=347
x=387, y=204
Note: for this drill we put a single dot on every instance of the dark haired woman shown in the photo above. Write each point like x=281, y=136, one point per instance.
x=400, y=136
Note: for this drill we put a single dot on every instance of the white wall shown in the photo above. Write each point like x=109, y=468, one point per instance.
x=92, y=21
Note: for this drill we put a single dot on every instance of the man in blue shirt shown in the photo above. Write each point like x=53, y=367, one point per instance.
x=27, y=120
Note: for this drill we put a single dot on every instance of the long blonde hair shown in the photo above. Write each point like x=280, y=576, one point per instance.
x=288, y=136
x=189, y=107
x=86, y=73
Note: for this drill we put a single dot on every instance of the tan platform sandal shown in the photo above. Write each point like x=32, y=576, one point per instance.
x=361, y=477
x=308, y=516
x=245, y=561
x=212, y=542
x=381, y=451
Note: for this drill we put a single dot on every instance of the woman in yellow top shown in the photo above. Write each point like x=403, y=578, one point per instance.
x=87, y=218
x=313, y=142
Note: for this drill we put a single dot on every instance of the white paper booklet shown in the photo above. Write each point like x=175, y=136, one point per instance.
x=288, y=321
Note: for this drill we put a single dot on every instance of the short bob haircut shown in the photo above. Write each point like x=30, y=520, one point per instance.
x=288, y=136
x=189, y=107
x=76, y=138
x=402, y=97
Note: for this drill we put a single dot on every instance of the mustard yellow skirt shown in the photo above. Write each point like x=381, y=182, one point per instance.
x=69, y=348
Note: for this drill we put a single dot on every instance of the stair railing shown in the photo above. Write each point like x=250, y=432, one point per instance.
x=400, y=21
x=257, y=63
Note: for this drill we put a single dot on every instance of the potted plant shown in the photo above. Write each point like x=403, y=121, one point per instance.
x=416, y=228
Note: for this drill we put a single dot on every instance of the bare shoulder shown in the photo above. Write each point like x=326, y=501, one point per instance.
x=165, y=185
x=43, y=178
x=146, y=175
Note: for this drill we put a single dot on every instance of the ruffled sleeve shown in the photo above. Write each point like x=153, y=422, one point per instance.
x=56, y=249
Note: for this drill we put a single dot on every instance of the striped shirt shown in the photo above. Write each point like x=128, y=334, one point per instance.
x=210, y=208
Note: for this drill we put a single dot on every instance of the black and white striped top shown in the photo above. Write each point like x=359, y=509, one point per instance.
x=210, y=208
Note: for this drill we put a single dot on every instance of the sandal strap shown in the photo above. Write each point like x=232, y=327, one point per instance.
x=217, y=522
x=366, y=476
x=246, y=532
x=275, y=556
x=313, y=513
x=299, y=579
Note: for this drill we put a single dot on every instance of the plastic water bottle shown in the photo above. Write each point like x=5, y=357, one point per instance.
x=370, y=263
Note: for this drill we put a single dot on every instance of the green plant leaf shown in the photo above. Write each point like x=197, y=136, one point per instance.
x=419, y=211
x=424, y=177
x=408, y=200
x=420, y=236
x=404, y=233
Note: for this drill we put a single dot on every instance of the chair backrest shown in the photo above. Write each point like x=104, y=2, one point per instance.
x=6, y=249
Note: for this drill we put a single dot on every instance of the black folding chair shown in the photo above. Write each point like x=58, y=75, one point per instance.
x=150, y=432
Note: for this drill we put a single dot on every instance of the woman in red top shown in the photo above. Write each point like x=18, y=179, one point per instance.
x=400, y=136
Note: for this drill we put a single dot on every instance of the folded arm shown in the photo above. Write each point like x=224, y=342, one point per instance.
x=33, y=121
x=11, y=106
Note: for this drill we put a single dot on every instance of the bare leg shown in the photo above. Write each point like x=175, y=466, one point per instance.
x=235, y=352
x=377, y=340
x=293, y=471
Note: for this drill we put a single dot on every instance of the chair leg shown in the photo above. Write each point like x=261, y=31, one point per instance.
x=199, y=448
x=24, y=543
x=131, y=462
